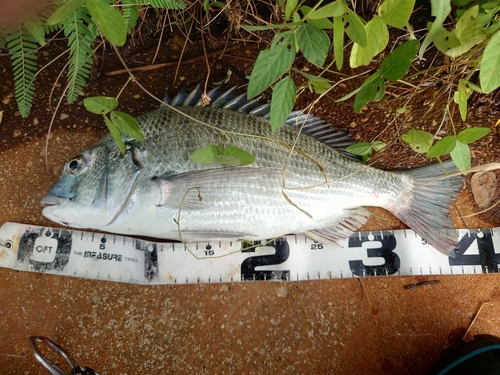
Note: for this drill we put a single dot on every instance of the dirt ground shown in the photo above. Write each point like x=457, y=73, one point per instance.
x=347, y=326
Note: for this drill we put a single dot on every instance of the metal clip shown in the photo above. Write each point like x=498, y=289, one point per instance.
x=76, y=369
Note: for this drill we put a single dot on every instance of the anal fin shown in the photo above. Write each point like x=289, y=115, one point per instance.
x=342, y=229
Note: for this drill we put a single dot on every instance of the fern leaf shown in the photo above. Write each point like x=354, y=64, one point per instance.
x=36, y=30
x=81, y=32
x=23, y=50
x=169, y=4
x=130, y=14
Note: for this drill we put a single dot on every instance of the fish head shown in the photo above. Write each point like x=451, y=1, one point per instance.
x=93, y=188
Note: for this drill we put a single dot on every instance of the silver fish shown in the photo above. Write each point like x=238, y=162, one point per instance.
x=155, y=189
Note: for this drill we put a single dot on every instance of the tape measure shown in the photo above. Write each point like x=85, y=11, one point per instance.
x=118, y=258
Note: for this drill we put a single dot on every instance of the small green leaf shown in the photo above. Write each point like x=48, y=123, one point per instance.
x=272, y=63
x=472, y=134
x=461, y=156
x=378, y=36
x=289, y=8
x=115, y=133
x=206, y=155
x=109, y=20
x=439, y=9
x=396, y=13
x=64, y=11
x=127, y=125
x=360, y=148
x=235, y=157
x=100, y=104
x=313, y=43
x=378, y=145
x=334, y=9
x=282, y=102
x=420, y=141
x=322, y=23
x=489, y=74
x=442, y=147
x=368, y=92
x=355, y=28
x=460, y=97
x=312, y=77
x=338, y=41
x=319, y=87
x=396, y=64
x=373, y=77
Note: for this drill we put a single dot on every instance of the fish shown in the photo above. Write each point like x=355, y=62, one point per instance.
x=302, y=180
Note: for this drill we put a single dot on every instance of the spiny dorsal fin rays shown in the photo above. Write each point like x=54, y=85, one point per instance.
x=227, y=99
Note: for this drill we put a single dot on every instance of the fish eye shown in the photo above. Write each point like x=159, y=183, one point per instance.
x=76, y=165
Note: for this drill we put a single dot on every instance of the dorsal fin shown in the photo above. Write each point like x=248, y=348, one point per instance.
x=310, y=125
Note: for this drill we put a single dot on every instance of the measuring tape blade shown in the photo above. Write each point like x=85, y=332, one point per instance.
x=124, y=259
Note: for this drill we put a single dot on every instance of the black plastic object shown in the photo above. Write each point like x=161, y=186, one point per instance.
x=480, y=356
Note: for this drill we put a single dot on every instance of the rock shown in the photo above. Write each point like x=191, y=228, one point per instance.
x=483, y=186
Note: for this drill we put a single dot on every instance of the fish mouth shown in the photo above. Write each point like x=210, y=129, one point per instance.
x=53, y=200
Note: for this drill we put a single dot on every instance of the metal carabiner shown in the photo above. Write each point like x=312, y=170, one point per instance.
x=76, y=369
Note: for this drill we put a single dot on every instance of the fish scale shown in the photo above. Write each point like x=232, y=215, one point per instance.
x=155, y=189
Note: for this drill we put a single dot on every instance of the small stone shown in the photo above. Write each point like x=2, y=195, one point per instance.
x=96, y=299
x=35, y=121
x=224, y=288
x=17, y=133
x=483, y=186
x=63, y=116
x=353, y=124
x=282, y=291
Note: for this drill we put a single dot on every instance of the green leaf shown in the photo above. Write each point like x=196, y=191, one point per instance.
x=115, y=133
x=100, y=104
x=396, y=13
x=372, y=77
x=64, y=11
x=312, y=77
x=442, y=147
x=109, y=20
x=235, y=157
x=80, y=41
x=461, y=156
x=272, y=63
x=440, y=10
x=334, y=9
x=378, y=36
x=420, y=141
x=319, y=87
x=445, y=40
x=282, y=102
x=466, y=28
x=23, y=51
x=206, y=155
x=338, y=41
x=472, y=134
x=322, y=23
x=361, y=148
x=378, y=145
x=355, y=28
x=460, y=97
x=489, y=74
x=127, y=125
x=395, y=65
x=368, y=92
x=313, y=43
x=289, y=7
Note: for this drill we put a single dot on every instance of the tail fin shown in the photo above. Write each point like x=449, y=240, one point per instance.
x=427, y=211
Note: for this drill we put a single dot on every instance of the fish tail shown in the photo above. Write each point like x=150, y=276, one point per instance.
x=426, y=205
